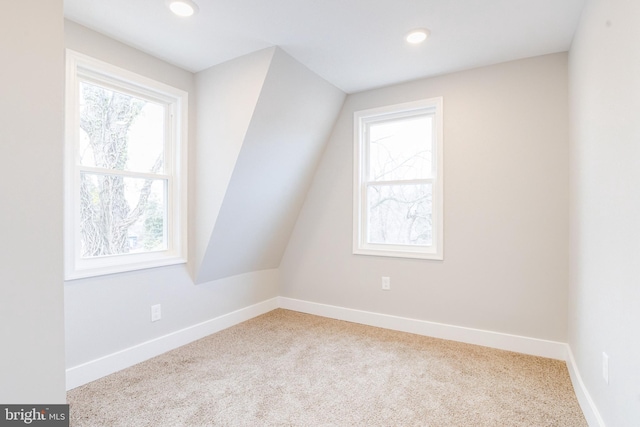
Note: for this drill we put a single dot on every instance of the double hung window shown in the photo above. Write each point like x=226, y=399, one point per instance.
x=398, y=186
x=125, y=170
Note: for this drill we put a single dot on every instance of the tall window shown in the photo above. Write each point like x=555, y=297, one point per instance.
x=398, y=200
x=125, y=170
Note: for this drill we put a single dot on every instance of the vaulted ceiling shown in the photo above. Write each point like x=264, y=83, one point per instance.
x=353, y=44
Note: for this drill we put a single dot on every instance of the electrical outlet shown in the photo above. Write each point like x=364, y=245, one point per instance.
x=156, y=313
x=605, y=367
x=386, y=283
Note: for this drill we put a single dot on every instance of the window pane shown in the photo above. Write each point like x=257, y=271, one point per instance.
x=121, y=215
x=120, y=131
x=401, y=149
x=400, y=214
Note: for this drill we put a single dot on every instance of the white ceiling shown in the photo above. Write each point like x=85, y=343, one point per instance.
x=354, y=44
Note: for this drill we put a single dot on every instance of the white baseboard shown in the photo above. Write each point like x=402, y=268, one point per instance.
x=520, y=344
x=95, y=369
x=589, y=408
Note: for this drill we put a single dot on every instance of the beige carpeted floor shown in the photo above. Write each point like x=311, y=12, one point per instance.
x=291, y=369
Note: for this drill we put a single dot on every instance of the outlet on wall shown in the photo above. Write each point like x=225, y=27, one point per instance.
x=386, y=283
x=605, y=367
x=156, y=313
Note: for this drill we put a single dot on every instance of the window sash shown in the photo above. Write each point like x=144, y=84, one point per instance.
x=166, y=232
x=117, y=85
x=397, y=117
x=368, y=217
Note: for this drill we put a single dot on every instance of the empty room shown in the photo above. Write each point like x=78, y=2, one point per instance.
x=329, y=213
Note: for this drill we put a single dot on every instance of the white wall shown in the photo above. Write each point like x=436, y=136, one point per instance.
x=31, y=141
x=227, y=98
x=111, y=313
x=506, y=210
x=604, y=314
x=285, y=138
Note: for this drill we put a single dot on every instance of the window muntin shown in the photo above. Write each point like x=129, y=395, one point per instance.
x=398, y=180
x=125, y=170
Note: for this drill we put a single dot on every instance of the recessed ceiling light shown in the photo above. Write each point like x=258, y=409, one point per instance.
x=182, y=7
x=417, y=36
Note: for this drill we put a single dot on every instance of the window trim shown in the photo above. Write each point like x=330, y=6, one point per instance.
x=360, y=180
x=82, y=67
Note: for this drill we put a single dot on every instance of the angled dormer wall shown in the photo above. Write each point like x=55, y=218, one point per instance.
x=262, y=126
x=227, y=95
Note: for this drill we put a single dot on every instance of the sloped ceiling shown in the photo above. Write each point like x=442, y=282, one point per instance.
x=356, y=44
x=282, y=142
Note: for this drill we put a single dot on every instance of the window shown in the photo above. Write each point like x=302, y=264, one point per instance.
x=398, y=189
x=125, y=165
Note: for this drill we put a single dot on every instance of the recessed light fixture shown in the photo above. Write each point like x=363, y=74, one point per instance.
x=417, y=36
x=182, y=7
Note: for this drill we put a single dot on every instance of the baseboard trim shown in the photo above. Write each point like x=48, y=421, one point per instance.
x=101, y=367
x=516, y=343
x=587, y=405
x=520, y=344
x=98, y=368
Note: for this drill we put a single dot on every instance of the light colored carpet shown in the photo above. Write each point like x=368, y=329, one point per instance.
x=291, y=369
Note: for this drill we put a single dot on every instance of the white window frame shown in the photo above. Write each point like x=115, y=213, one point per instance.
x=362, y=119
x=79, y=67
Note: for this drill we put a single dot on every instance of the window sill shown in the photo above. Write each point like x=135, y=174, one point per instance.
x=399, y=254
x=107, y=265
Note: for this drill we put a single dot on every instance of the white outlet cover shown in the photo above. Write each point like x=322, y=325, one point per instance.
x=386, y=283
x=156, y=313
